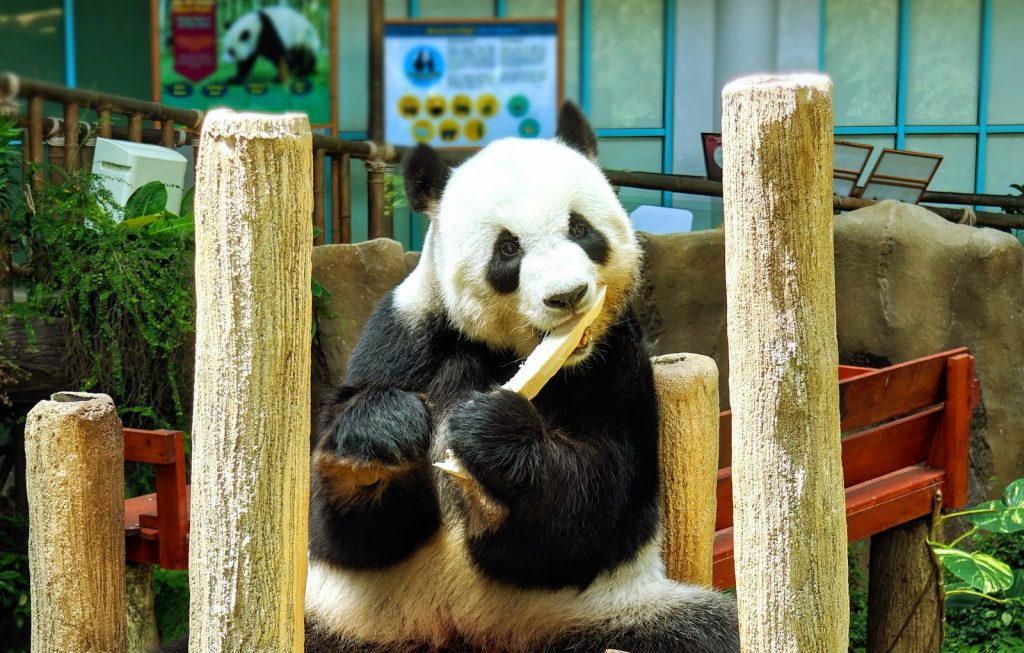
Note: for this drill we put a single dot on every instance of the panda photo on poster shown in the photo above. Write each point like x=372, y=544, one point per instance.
x=246, y=54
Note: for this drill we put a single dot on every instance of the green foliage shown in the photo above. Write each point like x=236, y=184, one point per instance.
x=14, y=584
x=124, y=289
x=858, y=598
x=170, y=593
x=985, y=594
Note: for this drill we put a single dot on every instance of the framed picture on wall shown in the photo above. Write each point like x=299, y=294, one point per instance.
x=460, y=84
x=712, y=144
x=247, y=55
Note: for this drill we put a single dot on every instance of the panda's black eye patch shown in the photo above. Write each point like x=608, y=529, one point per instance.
x=244, y=36
x=503, y=268
x=589, y=239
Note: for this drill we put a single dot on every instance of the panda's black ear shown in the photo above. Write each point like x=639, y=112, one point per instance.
x=576, y=132
x=426, y=174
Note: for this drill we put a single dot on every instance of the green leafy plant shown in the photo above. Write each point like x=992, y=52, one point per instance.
x=15, y=611
x=983, y=578
x=124, y=290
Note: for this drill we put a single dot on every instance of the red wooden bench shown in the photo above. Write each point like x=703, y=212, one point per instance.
x=904, y=436
x=156, y=525
x=905, y=431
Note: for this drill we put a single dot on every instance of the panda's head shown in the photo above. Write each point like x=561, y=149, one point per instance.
x=521, y=236
x=242, y=36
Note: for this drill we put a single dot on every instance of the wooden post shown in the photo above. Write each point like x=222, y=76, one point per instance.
x=250, y=437
x=904, y=606
x=141, y=635
x=379, y=224
x=687, y=387
x=75, y=457
x=319, y=197
x=790, y=526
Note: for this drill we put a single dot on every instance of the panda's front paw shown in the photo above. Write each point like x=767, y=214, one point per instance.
x=374, y=436
x=492, y=434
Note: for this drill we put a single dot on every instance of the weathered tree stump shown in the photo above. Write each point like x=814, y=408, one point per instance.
x=250, y=452
x=687, y=387
x=788, y=506
x=74, y=451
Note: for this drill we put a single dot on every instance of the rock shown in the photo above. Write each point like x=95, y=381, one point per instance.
x=357, y=276
x=681, y=300
x=909, y=284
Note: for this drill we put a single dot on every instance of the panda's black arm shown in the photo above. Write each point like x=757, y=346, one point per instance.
x=373, y=499
x=576, y=468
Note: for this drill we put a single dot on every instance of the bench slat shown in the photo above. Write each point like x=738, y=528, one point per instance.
x=871, y=507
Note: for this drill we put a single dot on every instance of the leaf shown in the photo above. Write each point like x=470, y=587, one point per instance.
x=1013, y=495
x=188, y=203
x=1002, y=519
x=141, y=221
x=983, y=572
x=318, y=289
x=182, y=225
x=1016, y=591
x=147, y=199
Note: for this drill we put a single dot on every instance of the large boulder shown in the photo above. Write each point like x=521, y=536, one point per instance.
x=357, y=276
x=909, y=284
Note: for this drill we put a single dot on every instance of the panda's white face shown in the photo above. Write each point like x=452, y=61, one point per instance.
x=523, y=235
x=242, y=36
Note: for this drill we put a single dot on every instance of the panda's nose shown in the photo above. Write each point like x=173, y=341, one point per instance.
x=568, y=299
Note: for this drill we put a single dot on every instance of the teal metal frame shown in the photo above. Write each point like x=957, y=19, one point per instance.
x=901, y=129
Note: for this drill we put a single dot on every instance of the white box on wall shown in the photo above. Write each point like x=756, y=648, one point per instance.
x=124, y=166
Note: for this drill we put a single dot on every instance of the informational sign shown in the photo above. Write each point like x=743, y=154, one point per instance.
x=244, y=55
x=464, y=84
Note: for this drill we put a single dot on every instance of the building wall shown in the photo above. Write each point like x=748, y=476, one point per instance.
x=935, y=75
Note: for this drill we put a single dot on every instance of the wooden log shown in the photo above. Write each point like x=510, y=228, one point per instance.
x=75, y=468
x=319, y=197
x=790, y=527
x=905, y=610
x=687, y=388
x=37, y=354
x=141, y=635
x=250, y=440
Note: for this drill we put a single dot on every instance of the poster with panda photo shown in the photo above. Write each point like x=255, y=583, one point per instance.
x=259, y=55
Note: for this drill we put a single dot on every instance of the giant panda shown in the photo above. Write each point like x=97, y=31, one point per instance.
x=553, y=543
x=281, y=35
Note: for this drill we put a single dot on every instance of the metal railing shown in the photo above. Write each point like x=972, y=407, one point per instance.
x=171, y=126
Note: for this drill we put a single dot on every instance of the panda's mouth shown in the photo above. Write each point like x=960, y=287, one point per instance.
x=584, y=343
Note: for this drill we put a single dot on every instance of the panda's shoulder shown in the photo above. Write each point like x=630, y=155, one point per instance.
x=394, y=350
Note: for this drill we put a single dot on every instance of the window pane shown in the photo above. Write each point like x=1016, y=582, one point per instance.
x=353, y=59
x=861, y=55
x=530, y=8
x=942, y=80
x=1006, y=83
x=642, y=154
x=626, y=63
x=878, y=142
x=32, y=38
x=1004, y=163
x=956, y=172
x=456, y=9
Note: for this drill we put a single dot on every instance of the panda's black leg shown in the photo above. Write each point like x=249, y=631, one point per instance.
x=373, y=499
x=243, y=70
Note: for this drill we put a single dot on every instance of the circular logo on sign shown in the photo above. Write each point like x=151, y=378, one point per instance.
x=409, y=106
x=529, y=128
x=475, y=129
x=424, y=65
x=449, y=131
x=487, y=105
x=422, y=131
x=518, y=106
x=462, y=105
x=435, y=105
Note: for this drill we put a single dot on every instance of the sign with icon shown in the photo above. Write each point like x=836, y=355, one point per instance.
x=462, y=84
x=212, y=53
